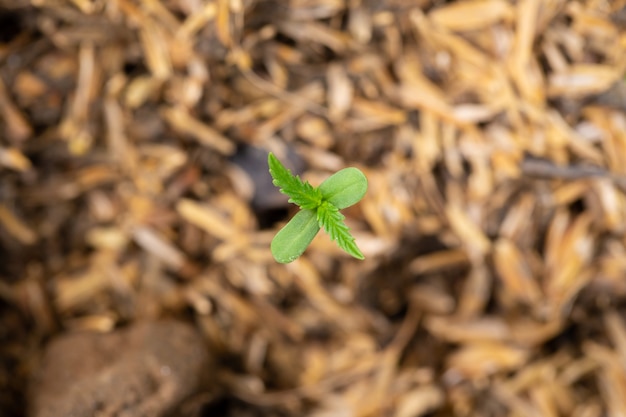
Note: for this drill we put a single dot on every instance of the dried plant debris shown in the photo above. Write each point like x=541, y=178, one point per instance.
x=134, y=137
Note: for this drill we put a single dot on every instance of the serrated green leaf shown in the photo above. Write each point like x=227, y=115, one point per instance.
x=344, y=188
x=301, y=193
x=320, y=208
x=292, y=240
x=329, y=217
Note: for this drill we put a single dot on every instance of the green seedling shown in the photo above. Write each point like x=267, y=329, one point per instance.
x=319, y=208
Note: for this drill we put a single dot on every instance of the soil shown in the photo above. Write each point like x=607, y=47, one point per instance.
x=144, y=370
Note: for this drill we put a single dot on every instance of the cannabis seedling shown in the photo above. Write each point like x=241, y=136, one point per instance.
x=319, y=208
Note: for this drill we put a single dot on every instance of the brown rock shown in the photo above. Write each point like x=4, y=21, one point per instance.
x=144, y=370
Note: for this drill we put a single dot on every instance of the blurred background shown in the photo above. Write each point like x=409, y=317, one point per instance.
x=136, y=210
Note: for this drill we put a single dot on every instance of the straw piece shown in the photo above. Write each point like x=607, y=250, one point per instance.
x=582, y=80
x=205, y=218
x=155, y=47
x=150, y=240
x=16, y=127
x=14, y=159
x=479, y=360
x=419, y=401
x=340, y=92
x=474, y=239
x=16, y=227
x=515, y=272
x=472, y=15
x=186, y=124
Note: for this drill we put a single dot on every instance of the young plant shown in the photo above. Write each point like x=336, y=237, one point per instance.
x=319, y=208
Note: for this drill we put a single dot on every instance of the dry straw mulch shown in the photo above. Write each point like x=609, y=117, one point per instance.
x=493, y=135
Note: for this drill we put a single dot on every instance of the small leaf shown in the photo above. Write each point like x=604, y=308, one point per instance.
x=320, y=208
x=344, y=188
x=329, y=217
x=301, y=193
x=292, y=240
